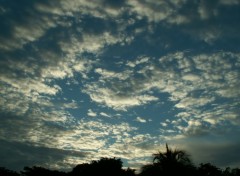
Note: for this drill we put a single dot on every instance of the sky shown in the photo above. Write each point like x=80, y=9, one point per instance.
x=81, y=80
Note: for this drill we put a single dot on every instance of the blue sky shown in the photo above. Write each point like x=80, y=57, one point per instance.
x=81, y=80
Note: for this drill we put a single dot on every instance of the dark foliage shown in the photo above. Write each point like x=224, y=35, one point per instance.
x=208, y=169
x=40, y=171
x=105, y=166
x=168, y=163
x=171, y=162
x=6, y=172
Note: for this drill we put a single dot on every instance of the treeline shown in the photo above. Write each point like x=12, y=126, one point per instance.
x=168, y=163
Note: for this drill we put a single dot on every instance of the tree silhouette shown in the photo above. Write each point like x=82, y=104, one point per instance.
x=209, y=170
x=172, y=157
x=129, y=172
x=104, y=166
x=40, y=171
x=150, y=169
x=235, y=172
x=81, y=169
x=6, y=172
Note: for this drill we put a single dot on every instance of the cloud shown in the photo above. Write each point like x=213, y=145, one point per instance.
x=222, y=151
x=93, y=8
x=72, y=105
x=90, y=138
x=204, y=10
x=28, y=81
x=199, y=84
x=185, y=89
x=26, y=154
x=152, y=10
x=66, y=43
x=46, y=44
x=188, y=102
x=104, y=114
x=138, y=61
x=141, y=120
x=191, y=77
x=32, y=27
x=115, y=98
x=91, y=113
x=106, y=74
x=230, y=2
x=164, y=124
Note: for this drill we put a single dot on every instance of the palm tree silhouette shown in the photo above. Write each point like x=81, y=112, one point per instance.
x=170, y=162
x=171, y=157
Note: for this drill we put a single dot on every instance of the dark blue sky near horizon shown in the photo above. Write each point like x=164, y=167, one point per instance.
x=81, y=80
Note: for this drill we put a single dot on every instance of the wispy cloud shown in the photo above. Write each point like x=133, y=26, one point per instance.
x=104, y=114
x=141, y=120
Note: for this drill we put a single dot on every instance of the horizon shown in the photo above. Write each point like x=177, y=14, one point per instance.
x=81, y=80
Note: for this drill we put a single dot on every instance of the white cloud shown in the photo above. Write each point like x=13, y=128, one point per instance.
x=30, y=87
x=106, y=74
x=154, y=11
x=72, y=105
x=94, y=8
x=191, y=77
x=164, y=124
x=188, y=102
x=141, y=120
x=229, y=92
x=138, y=61
x=104, y=114
x=189, y=90
x=116, y=99
x=91, y=113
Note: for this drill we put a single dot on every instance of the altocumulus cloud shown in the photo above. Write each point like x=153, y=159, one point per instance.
x=63, y=61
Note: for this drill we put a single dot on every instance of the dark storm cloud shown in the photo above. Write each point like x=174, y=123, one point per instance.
x=21, y=24
x=16, y=155
x=215, y=22
x=44, y=130
x=227, y=155
x=220, y=152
